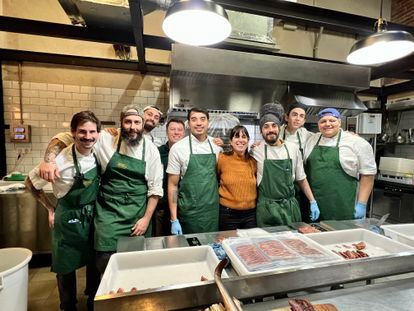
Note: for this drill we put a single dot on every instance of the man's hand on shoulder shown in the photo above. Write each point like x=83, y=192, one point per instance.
x=48, y=171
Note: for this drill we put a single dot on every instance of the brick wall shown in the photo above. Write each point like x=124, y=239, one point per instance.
x=48, y=108
x=402, y=12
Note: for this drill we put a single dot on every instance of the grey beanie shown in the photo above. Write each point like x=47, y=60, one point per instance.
x=272, y=112
x=269, y=117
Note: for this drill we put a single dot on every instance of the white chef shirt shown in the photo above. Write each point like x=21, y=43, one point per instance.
x=304, y=135
x=279, y=153
x=66, y=168
x=179, y=155
x=355, y=153
x=105, y=148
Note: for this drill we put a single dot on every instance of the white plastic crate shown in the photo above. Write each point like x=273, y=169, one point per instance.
x=158, y=268
x=376, y=244
x=403, y=233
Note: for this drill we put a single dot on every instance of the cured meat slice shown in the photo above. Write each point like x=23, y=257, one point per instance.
x=308, y=229
x=251, y=255
x=301, y=247
x=276, y=250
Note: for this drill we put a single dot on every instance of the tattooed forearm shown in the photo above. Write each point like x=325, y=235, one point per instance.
x=53, y=149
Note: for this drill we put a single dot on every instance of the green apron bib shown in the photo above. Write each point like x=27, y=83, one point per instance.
x=72, y=243
x=198, y=198
x=333, y=188
x=277, y=204
x=122, y=199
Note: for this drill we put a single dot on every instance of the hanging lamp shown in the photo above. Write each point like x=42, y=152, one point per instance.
x=381, y=47
x=196, y=22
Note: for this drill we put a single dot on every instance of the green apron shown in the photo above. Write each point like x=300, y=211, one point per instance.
x=333, y=188
x=72, y=245
x=198, y=198
x=277, y=204
x=122, y=199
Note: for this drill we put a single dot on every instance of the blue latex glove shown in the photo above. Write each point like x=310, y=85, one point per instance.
x=360, y=210
x=176, y=227
x=314, y=211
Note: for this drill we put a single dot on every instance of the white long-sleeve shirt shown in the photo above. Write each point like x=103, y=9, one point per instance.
x=105, y=148
x=66, y=168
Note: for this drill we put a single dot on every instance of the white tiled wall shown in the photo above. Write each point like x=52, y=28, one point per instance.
x=48, y=108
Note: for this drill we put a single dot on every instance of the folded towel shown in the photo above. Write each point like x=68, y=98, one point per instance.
x=12, y=187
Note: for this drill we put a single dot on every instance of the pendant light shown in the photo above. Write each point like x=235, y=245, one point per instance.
x=196, y=22
x=381, y=47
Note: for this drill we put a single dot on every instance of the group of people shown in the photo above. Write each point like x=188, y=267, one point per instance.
x=117, y=183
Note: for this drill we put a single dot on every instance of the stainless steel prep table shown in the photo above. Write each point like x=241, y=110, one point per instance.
x=258, y=285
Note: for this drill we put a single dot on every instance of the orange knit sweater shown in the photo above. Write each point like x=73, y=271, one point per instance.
x=237, y=177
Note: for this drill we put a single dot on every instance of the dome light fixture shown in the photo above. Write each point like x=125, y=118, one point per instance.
x=196, y=22
x=381, y=47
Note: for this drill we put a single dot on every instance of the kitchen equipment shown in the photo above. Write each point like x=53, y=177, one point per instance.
x=403, y=233
x=396, y=170
x=365, y=123
x=400, y=139
x=411, y=135
x=372, y=104
x=376, y=245
x=228, y=301
x=382, y=220
x=158, y=268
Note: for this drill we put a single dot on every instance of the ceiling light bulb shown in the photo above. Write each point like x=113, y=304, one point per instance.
x=196, y=23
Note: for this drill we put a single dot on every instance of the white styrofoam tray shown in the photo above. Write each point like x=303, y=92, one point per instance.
x=403, y=233
x=296, y=261
x=158, y=268
x=376, y=244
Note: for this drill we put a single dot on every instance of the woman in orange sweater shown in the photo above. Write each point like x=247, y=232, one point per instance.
x=236, y=171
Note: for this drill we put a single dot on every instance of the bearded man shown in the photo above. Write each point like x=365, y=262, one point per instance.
x=131, y=182
x=279, y=164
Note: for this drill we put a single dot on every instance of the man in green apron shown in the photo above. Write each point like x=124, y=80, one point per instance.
x=279, y=164
x=72, y=220
x=192, y=182
x=161, y=221
x=295, y=132
x=335, y=161
x=131, y=183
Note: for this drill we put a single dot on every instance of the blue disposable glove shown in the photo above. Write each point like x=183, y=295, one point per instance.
x=176, y=227
x=360, y=210
x=314, y=211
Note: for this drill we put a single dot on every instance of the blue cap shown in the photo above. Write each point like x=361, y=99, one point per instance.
x=329, y=112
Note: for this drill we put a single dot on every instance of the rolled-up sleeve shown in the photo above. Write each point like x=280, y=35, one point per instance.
x=366, y=158
x=154, y=171
x=34, y=177
x=174, y=163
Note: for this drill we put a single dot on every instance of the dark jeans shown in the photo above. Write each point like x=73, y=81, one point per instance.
x=67, y=287
x=161, y=223
x=102, y=259
x=230, y=219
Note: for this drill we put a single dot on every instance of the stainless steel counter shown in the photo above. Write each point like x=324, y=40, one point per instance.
x=385, y=296
x=259, y=285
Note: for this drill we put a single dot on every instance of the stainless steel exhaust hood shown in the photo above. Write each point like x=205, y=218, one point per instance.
x=239, y=81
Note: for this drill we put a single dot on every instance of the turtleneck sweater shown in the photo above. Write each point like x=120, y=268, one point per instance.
x=237, y=178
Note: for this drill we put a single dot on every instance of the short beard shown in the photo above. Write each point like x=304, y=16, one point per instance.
x=148, y=127
x=271, y=141
x=131, y=141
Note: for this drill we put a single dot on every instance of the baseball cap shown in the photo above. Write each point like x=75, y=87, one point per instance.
x=329, y=112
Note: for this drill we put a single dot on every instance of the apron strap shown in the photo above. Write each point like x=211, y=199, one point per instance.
x=339, y=138
x=143, y=149
x=284, y=132
x=191, y=144
x=119, y=143
x=75, y=162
